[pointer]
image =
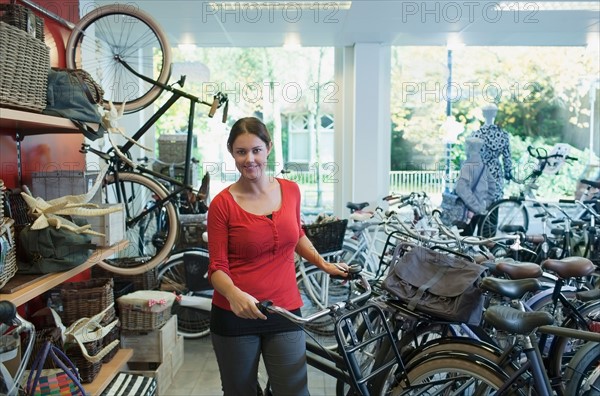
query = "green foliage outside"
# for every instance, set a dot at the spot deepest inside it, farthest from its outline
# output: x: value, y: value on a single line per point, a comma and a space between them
x: 542, y: 95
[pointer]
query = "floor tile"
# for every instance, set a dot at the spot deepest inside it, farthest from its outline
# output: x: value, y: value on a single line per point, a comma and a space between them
x: 199, y: 375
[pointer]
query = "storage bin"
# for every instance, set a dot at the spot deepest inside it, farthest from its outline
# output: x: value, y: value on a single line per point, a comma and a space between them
x: 145, y: 281
x: 24, y: 66
x: 145, y: 309
x: 86, y: 299
x: 151, y: 346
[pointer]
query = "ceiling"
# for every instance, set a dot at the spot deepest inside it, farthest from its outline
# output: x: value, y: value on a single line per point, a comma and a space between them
x: 269, y: 23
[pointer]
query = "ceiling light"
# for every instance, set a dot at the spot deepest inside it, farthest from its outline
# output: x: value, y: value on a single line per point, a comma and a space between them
x: 512, y: 5
x: 454, y: 42
x: 281, y: 4
x: 292, y: 41
x: 187, y: 47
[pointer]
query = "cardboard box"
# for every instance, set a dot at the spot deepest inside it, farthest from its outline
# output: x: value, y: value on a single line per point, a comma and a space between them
x: 112, y: 225
x: 154, y: 346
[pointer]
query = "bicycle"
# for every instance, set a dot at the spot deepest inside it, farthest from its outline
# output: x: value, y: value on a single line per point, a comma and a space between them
x: 151, y: 216
x: 514, y: 211
x: 350, y: 362
x: 12, y: 328
x: 458, y: 369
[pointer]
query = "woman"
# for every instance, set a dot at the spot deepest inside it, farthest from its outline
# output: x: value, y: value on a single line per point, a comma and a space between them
x: 254, y: 229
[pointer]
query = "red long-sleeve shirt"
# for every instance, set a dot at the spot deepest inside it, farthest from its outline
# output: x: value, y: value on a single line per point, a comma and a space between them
x: 257, y: 252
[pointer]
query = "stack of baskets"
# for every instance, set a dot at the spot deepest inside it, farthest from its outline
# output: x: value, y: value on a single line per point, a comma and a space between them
x: 84, y: 300
x: 25, y: 59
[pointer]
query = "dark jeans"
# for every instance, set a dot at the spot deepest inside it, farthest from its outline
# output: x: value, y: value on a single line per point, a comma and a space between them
x: 284, y: 356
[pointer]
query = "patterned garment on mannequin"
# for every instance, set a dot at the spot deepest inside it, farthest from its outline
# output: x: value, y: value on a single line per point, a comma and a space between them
x: 496, y: 144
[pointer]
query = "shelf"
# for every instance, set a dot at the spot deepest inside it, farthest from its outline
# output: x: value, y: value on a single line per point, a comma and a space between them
x: 28, y: 123
x: 108, y: 372
x: 42, y: 283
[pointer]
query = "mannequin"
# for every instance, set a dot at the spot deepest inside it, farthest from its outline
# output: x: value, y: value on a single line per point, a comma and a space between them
x: 472, y: 185
x: 496, y: 145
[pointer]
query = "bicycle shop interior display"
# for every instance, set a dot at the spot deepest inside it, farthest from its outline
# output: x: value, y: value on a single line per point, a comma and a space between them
x: 104, y: 269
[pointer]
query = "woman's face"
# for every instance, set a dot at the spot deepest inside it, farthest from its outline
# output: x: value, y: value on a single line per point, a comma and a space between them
x: 250, y: 154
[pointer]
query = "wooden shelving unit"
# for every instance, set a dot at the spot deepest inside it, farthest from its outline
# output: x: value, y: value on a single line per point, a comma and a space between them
x: 108, y: 372
x: 26, y: 123
x: 28, y: 287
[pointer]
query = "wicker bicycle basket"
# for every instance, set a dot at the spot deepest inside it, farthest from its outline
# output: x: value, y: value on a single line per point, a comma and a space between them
x: 24, y: 66
x: 86, y: 299
x: 145, y: 309
x: 8, y: 251
x: 327, y: 237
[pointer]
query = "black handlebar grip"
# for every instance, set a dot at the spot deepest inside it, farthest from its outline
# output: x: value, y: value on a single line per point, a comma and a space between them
x: 263, y: 306
x: 8, y: 311
x: 569, y: 201
x: 214, y: 106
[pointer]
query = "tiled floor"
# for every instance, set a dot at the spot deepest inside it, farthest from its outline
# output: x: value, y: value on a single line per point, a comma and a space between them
x: 199, y: 375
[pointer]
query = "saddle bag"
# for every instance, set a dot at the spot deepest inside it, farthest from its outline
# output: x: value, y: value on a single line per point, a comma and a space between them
x: 436, y: 282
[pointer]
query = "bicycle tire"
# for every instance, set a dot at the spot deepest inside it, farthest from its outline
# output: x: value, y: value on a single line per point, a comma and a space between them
x: 92, y: 46
x: 564, y: 349
x: 501, y: 213
x: 191, y: 322
x: 582, y: 377
x: 448, y: 370
x: 318, y: 290
x: 151, y: 231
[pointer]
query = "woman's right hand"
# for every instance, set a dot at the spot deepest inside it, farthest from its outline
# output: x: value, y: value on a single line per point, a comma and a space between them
x: 244, y: 305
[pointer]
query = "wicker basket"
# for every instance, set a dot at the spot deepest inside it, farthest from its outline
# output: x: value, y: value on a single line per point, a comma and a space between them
x: 327, y: 237
x: 145, y: 309
x: 88, y: 371
x: 86, y: 299
x: 24, y: 66
x: 23, y: 19
x: 8, y: 251
x: 114, y: 334
x: 145, y: 281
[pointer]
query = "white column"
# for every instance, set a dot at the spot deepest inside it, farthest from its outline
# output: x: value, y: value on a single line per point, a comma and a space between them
x: 362, y: 124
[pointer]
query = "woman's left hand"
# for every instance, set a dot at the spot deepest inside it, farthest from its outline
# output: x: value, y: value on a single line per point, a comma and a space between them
x: 337, y: 269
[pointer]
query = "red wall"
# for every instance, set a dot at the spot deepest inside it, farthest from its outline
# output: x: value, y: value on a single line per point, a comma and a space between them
x: 44, y: 152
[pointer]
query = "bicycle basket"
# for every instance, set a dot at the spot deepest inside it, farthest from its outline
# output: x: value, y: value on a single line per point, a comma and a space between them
x: 327, y: 237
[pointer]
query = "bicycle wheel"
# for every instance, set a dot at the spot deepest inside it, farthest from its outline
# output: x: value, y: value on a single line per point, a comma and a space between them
x: 582, y: 375
x: 502, y: 213
x: 151, y: 228
x: 191, y: 322
x: 318, y: 291
x: 564, y: 349
x: 353, y: 254
x: 447, y: 373
x: 111, y: 34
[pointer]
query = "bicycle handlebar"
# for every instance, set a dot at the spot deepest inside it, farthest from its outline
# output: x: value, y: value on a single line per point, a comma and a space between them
x: 268, y: 307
